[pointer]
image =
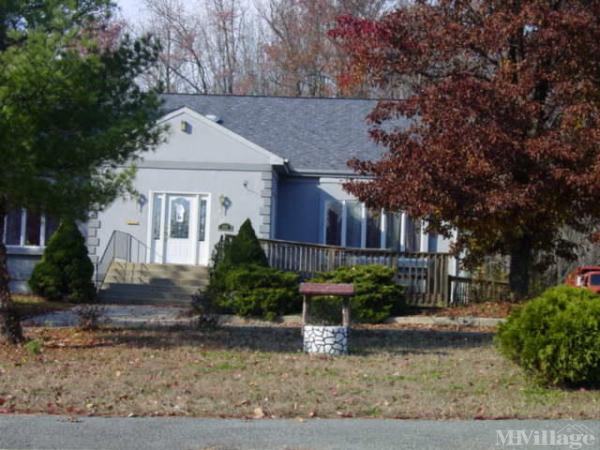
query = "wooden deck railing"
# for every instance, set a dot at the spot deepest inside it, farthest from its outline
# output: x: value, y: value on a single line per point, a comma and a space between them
x: 423, y: 275
x: 464, y: 290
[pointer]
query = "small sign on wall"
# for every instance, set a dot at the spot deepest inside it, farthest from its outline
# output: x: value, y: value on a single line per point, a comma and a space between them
x: 226, y: 227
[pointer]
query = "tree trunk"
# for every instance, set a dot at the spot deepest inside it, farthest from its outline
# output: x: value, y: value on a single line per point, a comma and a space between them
x: 10, y: 324
x: 520, y: 263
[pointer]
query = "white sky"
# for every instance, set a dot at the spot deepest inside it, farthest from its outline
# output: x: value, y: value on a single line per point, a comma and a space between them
x: 133, y: 10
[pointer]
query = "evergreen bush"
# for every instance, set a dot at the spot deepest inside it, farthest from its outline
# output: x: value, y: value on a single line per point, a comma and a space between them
x: 254, y: 290
x: 242, y: 250
x: 376, y: 295
x: 65, y: 270
x: 556, y: 337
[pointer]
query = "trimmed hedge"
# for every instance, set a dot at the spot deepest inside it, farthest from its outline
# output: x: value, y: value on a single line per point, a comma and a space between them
x: 260, y: 291
x: 242, y: 250
x: 65, y: 270
x: 242, y: 282
x: 556, y: 337
x: 377, y: 295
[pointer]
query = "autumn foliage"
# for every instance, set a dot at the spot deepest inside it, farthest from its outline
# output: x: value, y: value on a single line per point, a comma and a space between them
x: 503, y: 137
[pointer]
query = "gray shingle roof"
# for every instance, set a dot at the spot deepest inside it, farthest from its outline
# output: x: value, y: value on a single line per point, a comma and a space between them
x: 319, y: 134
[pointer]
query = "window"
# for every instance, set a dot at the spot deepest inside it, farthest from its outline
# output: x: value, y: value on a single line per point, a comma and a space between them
x: 51, y: 225
x: 180, y: 218
x: 373, y: 224
x: 350, y: 224
x: 393, y: 231
x: 202, y: 221
x: 413, y: 235
x: 410, y: 243
x: 12, y: 228
x: 353, y: 224
x: 28, y: 229
x: 156, y: 216
x: 33, y: 229
x: 333, y: 218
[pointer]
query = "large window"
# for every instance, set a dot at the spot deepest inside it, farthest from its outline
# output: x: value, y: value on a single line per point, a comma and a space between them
x: 354, y: 211
x: 333, y: 223
x: 27, y: 229
x: 393, y: 231
x: 350, y: 223
x: 413, y: 235
x: 374, y: 227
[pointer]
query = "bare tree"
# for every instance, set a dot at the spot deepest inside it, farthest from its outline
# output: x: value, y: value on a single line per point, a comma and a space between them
x: 270, y: 47
x: 203, y: 45
x: 303, y: 58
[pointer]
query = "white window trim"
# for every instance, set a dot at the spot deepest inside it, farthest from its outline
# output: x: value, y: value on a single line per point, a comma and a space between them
x: 23, y: 235
x: 363, y: 226
x: 384, y: 225
x: 23, y: 228
x: 403, y: 232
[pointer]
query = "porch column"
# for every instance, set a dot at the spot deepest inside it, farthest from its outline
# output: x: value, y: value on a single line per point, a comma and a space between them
x: 423, y: 238
x: 267, y: 199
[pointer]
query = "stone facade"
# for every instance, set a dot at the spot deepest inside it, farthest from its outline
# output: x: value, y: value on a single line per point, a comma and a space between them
x: 326, y: 339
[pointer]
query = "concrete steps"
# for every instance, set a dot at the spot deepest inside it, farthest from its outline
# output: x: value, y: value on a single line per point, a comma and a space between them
x: 152, y: 284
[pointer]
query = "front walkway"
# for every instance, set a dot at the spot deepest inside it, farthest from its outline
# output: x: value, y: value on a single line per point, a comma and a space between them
x: 117, y: 315
x: 149, y: 315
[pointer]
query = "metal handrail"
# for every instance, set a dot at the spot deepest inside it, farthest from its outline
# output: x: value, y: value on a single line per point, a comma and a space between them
x: 121, y: 246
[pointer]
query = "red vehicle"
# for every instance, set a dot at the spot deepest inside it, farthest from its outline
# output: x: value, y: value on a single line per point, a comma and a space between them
x: 586, y: 277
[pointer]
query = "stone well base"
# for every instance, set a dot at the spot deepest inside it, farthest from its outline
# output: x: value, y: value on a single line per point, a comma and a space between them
x: 325, y: 339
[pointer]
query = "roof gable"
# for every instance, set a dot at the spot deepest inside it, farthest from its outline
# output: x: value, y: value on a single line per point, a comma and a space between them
x: 313, y: 134
x: 196, y: 138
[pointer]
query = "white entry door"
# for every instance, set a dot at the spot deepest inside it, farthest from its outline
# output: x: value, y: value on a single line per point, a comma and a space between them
x: 183, y: 220
x: 181, y: 229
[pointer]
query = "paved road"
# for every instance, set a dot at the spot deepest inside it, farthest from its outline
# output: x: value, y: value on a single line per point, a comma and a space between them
x: 53, y: 432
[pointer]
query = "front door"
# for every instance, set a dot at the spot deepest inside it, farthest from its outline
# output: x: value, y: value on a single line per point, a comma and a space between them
x: 181, y: 236
x: 182, y: 218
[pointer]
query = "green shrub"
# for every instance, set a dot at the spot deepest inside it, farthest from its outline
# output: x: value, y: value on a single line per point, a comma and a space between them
x: 65, y: 270
x: 255, y: 290
x: 33, y: 347
x: 242, y: 250
x: 556, y: 337
x: 377, y: 295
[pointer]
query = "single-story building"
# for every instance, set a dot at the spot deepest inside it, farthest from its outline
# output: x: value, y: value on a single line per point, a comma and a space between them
x: 279, y: 161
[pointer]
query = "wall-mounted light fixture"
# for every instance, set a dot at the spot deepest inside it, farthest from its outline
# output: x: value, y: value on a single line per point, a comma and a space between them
x: 141, y: 201
x: 225, y: 203
x: 186, y: 127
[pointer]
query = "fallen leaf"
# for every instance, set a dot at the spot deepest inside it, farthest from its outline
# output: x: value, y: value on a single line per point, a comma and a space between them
x: 259, y: 413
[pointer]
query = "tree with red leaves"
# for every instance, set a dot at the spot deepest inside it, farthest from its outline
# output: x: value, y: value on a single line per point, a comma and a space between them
x: 503, y: 141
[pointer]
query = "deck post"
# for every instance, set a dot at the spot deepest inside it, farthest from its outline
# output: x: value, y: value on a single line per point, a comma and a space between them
x: 346, y: 312
x: 305, y: 309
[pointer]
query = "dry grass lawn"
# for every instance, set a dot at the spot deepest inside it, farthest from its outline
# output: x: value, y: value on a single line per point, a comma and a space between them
x: 260, y: 372
x: 483, y: 309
